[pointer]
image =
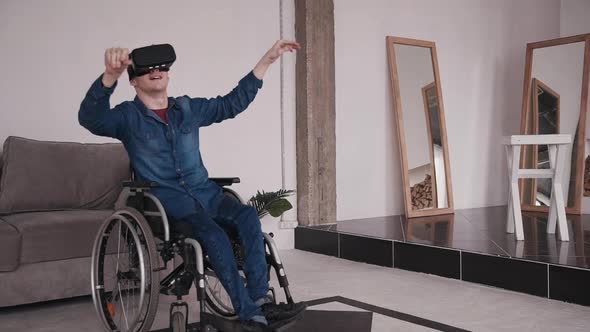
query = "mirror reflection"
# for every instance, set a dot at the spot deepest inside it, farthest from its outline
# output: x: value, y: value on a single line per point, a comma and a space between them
x: 435, y: 230
x: 546, y: 121
x: 554, y: 108
x: 421, y: 121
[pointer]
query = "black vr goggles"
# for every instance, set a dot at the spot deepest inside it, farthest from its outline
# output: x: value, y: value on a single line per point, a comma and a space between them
x: 145, y: 59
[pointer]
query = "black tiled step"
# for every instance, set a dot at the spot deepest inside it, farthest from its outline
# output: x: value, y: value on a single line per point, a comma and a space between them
x: 512, y: 274
x: 569, y: 285
x: 431, y: 260
x: 318, y: 241
x: 366, y: 250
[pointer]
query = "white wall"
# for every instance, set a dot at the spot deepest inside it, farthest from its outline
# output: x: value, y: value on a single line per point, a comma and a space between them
x: 480, y: 44
x: 574, y: 17
x: 481, y: 48
x: 53, y: 50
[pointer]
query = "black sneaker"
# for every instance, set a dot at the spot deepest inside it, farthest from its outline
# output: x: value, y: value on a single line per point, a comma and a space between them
x: 282, y: 312
x: 252, y: 326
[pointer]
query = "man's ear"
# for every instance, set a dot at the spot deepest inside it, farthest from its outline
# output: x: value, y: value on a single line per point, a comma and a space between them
x: 133, y: 83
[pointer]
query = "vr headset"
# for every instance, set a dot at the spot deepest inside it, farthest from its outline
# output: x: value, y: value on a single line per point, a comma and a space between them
x: 145, y: 59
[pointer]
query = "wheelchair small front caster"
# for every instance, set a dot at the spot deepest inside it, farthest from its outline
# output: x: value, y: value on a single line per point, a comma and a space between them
x: 178, y: 322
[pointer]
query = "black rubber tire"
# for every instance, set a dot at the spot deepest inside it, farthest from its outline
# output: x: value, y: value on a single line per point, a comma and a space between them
x: 151, y: 264
x: 178, y: 322
x: 213, y: 305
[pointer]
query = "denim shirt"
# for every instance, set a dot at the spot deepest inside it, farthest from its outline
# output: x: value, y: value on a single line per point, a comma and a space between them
x: 167, y: 153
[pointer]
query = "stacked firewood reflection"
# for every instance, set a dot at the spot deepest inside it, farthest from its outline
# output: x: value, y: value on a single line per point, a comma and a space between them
x: 422, y: 194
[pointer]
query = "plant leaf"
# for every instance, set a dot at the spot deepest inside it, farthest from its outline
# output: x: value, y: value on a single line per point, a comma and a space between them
x: 276, y: 208
x: 263, y: 202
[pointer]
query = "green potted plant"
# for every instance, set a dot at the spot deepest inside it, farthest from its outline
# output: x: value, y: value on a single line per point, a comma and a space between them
x: 265, y: 203
x: 274, y: 203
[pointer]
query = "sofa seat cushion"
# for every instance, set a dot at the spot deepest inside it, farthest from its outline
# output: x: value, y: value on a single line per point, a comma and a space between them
x: 10, y: 244
x: 57, y: 235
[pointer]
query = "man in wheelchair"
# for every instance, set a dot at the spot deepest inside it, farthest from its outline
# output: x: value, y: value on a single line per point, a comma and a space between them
x: 161, y: 136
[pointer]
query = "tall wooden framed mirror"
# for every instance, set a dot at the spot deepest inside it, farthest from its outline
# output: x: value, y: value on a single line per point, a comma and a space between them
x: 420, y: 123
x: 555, y: 101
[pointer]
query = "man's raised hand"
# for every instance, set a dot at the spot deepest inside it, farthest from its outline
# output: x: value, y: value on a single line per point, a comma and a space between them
x: 280, y: 47
x: 116, y: 60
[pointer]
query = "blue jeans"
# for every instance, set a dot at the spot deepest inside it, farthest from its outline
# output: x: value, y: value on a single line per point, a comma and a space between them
x: 215, y: 241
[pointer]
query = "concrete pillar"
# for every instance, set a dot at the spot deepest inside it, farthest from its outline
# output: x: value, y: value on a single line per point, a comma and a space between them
x: 316, y: 112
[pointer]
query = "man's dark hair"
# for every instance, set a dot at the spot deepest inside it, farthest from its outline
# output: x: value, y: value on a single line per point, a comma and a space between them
x: 131, y: 72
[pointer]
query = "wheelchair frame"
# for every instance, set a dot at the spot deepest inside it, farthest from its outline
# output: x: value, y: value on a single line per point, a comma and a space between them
x: 178, y: 282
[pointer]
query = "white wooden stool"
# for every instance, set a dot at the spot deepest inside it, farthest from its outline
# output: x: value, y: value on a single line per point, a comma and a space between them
x: 556, y: 145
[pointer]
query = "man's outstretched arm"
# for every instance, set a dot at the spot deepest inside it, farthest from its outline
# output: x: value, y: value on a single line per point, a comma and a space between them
x: 95, y: 112
x: 272, y: 55
x: 226, y: 107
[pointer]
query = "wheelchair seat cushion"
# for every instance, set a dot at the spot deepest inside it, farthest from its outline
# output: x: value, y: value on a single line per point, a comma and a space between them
x: 178, y: 229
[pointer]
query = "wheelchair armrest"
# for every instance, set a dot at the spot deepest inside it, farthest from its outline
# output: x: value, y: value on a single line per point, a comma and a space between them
x: 223, y: 182
x: 140, y: 184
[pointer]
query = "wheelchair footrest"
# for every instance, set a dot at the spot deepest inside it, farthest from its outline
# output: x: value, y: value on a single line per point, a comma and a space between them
x: 180, y: 285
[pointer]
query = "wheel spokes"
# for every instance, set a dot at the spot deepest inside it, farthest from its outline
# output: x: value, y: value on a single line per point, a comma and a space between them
x: 122, y: 276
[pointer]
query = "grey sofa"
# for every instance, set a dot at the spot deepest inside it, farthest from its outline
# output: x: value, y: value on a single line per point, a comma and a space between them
x: 53, y: 197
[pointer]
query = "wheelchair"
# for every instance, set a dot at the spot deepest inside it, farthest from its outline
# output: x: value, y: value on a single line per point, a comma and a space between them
x: 135, y: 244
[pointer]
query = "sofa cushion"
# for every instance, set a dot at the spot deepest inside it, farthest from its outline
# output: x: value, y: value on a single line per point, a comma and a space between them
x: 42, y: 176
x: 56, y: 235
x: 10, y: 244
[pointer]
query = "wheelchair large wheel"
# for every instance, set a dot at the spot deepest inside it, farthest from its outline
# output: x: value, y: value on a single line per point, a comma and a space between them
x: 217, y: 298
x: 125, y: 280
